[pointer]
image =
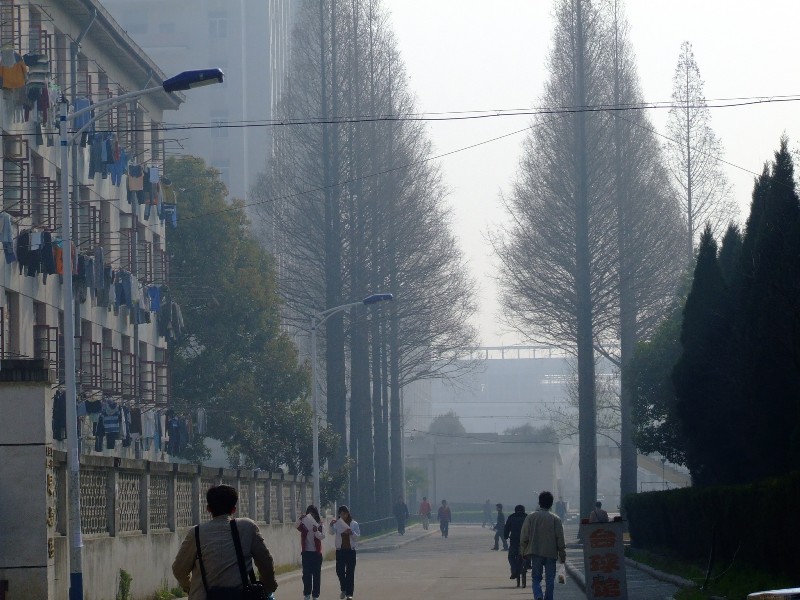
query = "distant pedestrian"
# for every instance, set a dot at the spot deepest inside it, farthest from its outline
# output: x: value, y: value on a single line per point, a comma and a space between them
x: 487, y: 513
x: 511, y: 532
x: 425, y: 512
x: 542, y: 539
x: 400, y: 511
x: 561, y: 509
x: 207, y: 558
x: 598, y: 515
x: 347, y: 532
x: 312, y: 532
x: 499, y: 527
x: 445, y: 516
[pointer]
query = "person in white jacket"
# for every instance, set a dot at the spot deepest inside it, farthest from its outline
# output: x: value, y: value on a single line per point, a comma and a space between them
x: 347, y: 533
x: 312, y: 532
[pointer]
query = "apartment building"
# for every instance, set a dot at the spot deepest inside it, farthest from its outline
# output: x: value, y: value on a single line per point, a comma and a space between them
x: 249, y: 41
x: 121, y: 353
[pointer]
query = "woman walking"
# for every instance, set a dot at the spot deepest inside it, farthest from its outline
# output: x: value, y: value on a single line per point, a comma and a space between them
x: 311, y: 535
x: 347, y: 533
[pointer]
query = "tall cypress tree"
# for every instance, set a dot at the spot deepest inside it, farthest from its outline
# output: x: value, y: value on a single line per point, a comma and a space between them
x: 700, y: 374
x: 769, y: 322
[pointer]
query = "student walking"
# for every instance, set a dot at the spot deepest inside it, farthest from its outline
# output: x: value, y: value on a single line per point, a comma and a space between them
x: 598, y: 515
x: 347, y: 532
x: 511, y: 532
x: 401, y: 514
x: 425, y: 512
x: 445, y: 516
x: 312, y: 532
x: 542, y: 539
x: 499, y: 528
x: 208, y: 559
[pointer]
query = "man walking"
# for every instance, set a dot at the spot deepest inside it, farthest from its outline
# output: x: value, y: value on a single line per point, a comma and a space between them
x: 401, y: 514
x: 512, y: 532
x: 499, y: 528
x: 207, y: 558
x: 425, y: 512
x: 598, y: 515
x: 542, y: 539
x: 444, y: 517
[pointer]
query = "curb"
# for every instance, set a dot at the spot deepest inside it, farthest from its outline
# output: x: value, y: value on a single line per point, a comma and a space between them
x: 675, y: 580
x: 667, y: 577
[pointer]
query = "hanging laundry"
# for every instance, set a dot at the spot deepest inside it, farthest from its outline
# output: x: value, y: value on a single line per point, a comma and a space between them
x: 83, y: 120
x: 111, y: 416
x: 60, y: 415
x: 99, y: 268
x: 154, y: 292
x: 7, y: 237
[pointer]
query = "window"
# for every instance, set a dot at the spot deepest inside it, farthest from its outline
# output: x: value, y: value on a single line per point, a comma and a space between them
x: 61, y: 59
x: 11, y: 25
x: 224, y: 168
x: 137, y: 28
x: 112, y: 365
x: 45, y: 196
x: 11, y: 335
x: 16, y: 176
x: 218, y: 24
x: 220, y: 119
x: 161, y: 378
x: 90, y: 217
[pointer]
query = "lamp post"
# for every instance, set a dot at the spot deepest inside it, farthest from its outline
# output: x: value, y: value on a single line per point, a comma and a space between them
x: 318, y: 319
x: 184, y: 81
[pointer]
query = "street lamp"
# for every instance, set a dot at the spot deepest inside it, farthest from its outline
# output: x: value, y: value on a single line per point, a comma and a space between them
x: 318, y: 319
x: 184, y: 81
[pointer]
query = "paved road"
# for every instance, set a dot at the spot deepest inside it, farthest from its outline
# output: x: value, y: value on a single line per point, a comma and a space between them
x: 458, y: 568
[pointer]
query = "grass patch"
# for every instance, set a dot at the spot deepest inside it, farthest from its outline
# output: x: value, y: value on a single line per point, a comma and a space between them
x: 283, y: 569
x: 732, y: 582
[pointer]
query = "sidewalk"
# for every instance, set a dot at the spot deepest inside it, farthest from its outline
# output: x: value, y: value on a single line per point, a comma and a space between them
x: 644, y: 583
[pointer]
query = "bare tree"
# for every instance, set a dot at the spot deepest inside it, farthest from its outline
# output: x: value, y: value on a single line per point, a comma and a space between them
x: 357, y: 207
x: 693, y: 152
x: 649, y: 230
x: 558, y: 254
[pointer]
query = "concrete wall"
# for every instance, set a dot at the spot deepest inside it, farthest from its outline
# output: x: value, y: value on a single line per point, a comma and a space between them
x: 27, y: 491
x: 134, y: 513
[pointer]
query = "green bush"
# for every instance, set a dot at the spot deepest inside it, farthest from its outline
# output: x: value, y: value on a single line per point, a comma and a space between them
x: 124, y: 588
x: 752, y: 524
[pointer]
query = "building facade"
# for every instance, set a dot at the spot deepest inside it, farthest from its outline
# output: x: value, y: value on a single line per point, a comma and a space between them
x: 248, y: 40
x: 121, y: 267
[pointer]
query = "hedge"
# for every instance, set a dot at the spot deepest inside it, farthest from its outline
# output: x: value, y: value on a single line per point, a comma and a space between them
x: 757, y: 524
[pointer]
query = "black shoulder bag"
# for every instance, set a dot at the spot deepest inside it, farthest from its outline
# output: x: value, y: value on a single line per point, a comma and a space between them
x: 250, y: 590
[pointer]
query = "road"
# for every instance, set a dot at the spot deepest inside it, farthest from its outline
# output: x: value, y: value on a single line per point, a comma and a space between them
x: 458, y: 568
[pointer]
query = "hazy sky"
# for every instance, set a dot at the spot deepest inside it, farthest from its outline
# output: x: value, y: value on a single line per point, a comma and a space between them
x: 479, y: 55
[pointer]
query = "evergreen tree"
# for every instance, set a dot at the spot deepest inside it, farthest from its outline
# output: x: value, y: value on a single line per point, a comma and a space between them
x: 701, y: 371
x: 769, y: 322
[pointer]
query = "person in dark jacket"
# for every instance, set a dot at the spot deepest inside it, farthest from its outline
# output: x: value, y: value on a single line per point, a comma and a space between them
x: 511, y: 533
x: 499, y: 526
x: 401, y: 514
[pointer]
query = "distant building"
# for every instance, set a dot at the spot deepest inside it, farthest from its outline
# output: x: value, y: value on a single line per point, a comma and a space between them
x: 249, y: 41
x: 469, y: 469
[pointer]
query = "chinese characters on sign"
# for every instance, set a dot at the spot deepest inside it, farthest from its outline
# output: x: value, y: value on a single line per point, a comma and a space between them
x: 604, y: 561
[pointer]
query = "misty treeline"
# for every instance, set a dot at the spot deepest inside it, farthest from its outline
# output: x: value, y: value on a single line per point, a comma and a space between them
x: 602, y: 211
x: 352, y: 205
x: 718, y: 387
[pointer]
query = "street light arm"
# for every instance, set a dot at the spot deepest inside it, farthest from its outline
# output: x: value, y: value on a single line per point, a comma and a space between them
x: 114, y: 101
x: 320, y: 318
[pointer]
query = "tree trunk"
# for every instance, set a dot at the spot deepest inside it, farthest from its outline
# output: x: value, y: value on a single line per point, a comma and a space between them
x: 627, y: 298
x: 587, y: 418
x: 334, y: 346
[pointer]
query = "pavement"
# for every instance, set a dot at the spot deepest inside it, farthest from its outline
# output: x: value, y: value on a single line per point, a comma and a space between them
x: 644, y: 583
x: 423, y: 564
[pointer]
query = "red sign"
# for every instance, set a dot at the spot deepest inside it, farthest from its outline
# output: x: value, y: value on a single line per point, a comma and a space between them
x: 604, y: 561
